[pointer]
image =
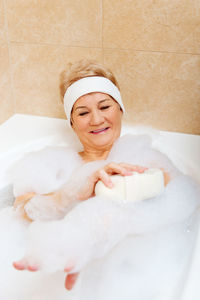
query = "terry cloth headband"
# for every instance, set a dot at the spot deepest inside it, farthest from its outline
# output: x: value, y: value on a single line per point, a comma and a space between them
x: 90, y: 85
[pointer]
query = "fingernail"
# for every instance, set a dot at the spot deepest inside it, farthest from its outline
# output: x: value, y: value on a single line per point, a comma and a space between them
x: 32, y: 268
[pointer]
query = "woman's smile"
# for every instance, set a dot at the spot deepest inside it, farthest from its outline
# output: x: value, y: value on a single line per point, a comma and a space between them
x: 100, y: 131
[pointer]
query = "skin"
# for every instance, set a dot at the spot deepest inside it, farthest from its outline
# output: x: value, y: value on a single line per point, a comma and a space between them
x: 93, y: 112
x: 96, y: 119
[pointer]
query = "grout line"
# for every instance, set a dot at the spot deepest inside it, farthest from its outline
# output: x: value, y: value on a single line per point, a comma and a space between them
x: 151, y: 51
x: 13, y: 101
x: 54, y: 44
x: 102, y: 24
x: 105, y: 48
x: 102, y: 20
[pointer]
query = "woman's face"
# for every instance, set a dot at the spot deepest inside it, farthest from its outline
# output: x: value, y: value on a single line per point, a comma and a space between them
x: 96, y: 119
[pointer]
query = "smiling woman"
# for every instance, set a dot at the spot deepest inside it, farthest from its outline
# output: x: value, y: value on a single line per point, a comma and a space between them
x: 114, y: 238
x: 93, y: 105
x: 96, y: 119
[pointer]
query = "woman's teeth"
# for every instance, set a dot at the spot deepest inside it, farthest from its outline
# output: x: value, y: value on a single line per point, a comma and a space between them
x: 99, y: 130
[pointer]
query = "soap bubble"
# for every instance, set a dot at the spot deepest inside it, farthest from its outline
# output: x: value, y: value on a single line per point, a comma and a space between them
x: 134, y: 250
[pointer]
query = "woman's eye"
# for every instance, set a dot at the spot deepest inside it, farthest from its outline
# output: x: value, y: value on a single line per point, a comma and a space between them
x: 105, y: 107
x: 83, y: 113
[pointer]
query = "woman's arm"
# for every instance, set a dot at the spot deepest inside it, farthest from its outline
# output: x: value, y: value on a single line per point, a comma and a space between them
x: 95, y: 226
x: 101, y: 219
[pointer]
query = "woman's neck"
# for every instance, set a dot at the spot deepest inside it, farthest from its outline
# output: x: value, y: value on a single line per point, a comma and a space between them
x: 91, y: 155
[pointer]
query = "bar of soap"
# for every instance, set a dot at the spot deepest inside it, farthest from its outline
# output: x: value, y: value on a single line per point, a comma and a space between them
x: 137, y: 187
x: 117, y: 192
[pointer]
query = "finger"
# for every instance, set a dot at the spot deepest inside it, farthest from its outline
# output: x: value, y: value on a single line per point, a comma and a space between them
x: 70, y: 280
x: 117, y: 169
x: 32, y: 268
x: 105, y: 178
x: 23, y: 198
x: 26, y: 217
x: 110, y: 169
x: 134, y: 168
x: 166, y: 178
x: 20, y: 265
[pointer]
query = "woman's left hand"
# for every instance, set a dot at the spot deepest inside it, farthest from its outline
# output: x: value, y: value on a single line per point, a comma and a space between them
x: 104, y: 173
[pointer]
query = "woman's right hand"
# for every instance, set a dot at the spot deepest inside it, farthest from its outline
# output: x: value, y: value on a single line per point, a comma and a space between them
x: 104, y: 173
x: 21, y: 201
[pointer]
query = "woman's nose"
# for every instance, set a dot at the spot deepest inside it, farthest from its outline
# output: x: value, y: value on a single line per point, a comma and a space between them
x: 96, y: 118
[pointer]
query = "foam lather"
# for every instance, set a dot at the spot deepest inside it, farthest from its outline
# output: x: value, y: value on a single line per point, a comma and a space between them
x: 137, y: 187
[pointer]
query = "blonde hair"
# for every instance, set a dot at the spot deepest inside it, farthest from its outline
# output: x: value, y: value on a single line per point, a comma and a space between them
x: 81, y: 69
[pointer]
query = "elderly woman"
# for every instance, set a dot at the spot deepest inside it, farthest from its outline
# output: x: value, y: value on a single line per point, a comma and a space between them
x: 88, y: 231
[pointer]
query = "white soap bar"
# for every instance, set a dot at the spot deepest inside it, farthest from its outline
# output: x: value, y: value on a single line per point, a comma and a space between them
x: 141, y: 186
x: 137, y: 187
x: 117, y: 192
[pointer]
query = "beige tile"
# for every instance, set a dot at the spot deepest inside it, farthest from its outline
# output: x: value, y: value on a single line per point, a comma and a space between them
x: 6, y: 105
x: 159, y: 89
x: 158, y: 25
x: 2, y: 23
x: 67, y: 22
x: 36, y: 70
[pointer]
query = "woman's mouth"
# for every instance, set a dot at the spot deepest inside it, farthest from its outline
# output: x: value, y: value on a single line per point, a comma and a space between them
x: 98, y: 131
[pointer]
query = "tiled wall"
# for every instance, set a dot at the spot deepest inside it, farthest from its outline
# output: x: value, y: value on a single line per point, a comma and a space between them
x: 153, y: 47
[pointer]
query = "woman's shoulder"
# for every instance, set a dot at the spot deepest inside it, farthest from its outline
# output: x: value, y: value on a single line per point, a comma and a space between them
x: 44, y: 170
x: 50, y: 154
x: 137, y: 149
x: 130, y: 144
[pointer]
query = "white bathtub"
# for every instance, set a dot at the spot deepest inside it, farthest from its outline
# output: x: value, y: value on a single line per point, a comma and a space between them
x: 23, y: 133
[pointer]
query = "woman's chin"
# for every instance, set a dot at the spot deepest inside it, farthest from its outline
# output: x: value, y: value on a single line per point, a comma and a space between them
x: 103, y: 141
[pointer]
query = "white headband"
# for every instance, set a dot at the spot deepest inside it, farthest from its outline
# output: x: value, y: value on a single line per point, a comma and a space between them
x: 90, y: 85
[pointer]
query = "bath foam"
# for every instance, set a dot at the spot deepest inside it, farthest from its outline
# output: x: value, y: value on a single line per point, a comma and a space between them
x: 43, y: 171
x: 94, y: 227
x: 137, y: 187
x: 133, y: 250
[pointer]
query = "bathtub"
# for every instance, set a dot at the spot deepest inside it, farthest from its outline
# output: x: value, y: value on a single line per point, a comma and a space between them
x: 24, y: 133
